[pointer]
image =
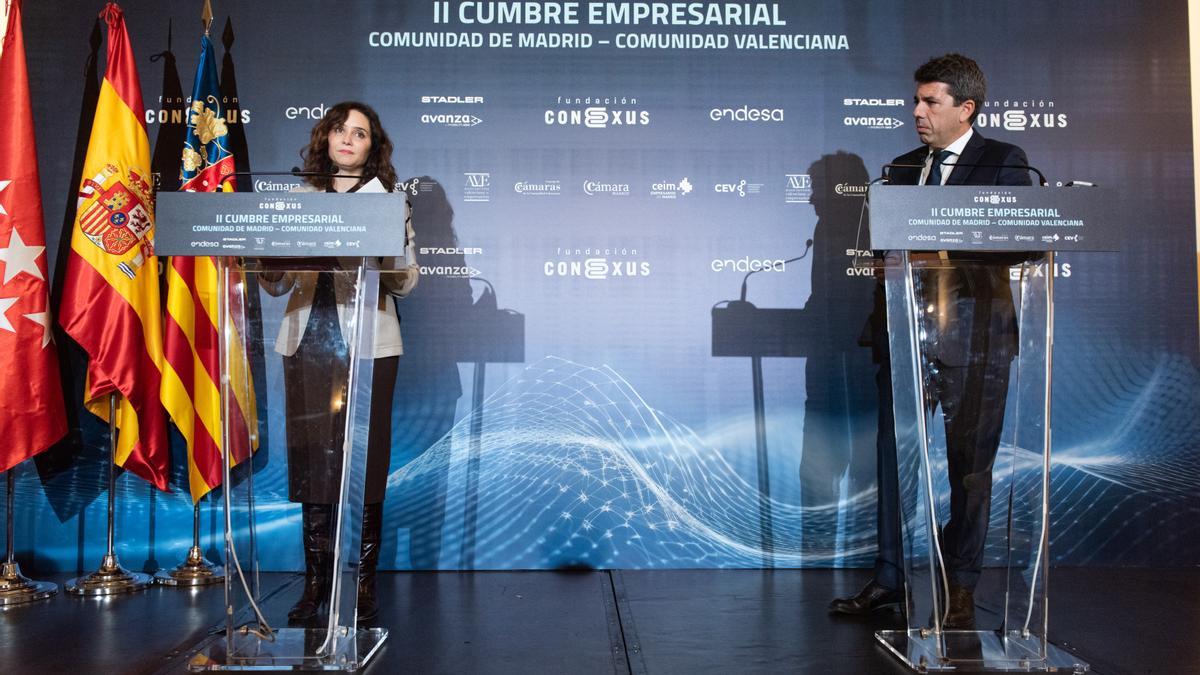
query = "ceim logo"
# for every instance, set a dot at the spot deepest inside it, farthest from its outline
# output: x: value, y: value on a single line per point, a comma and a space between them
x: 666, y: 190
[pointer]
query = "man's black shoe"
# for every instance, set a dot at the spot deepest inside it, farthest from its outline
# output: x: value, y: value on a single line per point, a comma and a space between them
x: 873, y: 598
x: 961, y: 614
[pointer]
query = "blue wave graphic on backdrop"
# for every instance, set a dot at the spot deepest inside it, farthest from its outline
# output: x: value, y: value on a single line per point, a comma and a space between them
x: 576, y: 469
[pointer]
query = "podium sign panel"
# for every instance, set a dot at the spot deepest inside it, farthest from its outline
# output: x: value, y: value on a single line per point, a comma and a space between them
x: 279, y: 224
x: 994, y: 218
x: 297, y: 343
x: 970, y: 335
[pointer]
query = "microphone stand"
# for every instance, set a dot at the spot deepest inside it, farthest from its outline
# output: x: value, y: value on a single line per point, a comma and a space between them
x: 766, y: 526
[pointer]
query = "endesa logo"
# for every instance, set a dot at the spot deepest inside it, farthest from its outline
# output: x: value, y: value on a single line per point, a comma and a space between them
x: 746, y: 114
x: 748, y: 264
x: 305, y: 112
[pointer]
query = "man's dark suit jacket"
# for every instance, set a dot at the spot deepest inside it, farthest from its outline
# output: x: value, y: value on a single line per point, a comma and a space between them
x: 985, y: 325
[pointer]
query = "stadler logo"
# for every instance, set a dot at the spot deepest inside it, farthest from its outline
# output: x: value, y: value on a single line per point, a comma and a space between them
x: 1013, y: 115
x: 741, y: 188
x: 598, y: 112
x: 596, y: 264
x: 432, y: 267
x: 746, y: 114
x: 452, y: 100
x: 873, y: 122
x: 665, y: 190
x: 544, y: 188
x: 748, y: 264
x: 593, y: 188
x: 477, y: 187
x: 873, y: 102
x: 798, y: 189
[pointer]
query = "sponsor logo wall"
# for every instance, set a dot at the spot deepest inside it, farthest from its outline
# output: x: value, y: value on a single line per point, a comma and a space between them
x: 607, y: 175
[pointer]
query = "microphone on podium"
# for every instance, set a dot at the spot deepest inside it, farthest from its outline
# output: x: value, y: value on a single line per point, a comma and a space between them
x: 807, y: 247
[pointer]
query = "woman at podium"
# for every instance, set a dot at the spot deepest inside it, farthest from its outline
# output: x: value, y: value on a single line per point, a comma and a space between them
x: 348, y: 151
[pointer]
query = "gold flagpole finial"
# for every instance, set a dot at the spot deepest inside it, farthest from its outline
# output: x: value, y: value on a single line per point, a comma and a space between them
x: 206, y: 15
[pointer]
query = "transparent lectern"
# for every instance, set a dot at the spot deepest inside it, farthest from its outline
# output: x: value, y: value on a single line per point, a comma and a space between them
x: 969, y: 279
x: 302, y: 257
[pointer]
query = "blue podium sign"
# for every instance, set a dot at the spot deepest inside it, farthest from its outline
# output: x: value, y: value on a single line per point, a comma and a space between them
x: 993, y: 218
x: 279, y: 225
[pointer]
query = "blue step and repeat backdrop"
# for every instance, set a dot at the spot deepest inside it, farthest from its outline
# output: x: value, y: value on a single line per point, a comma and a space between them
x: 592, y: 183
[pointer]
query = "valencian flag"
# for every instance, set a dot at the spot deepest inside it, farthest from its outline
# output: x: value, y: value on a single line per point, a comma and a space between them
x: 110, y: 303
x: 32, y: 416
x: 191, y: 379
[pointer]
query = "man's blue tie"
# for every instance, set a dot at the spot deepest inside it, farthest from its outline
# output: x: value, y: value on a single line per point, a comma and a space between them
x: 935, y: 171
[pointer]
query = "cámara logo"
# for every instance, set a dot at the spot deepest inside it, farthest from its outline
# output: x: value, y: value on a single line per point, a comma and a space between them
x: 594, y: 188
x: 543, y: 188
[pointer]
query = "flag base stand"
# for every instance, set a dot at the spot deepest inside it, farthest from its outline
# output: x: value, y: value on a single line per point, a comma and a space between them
x: 110, y: 579
x: 16, y: 589
x: 193, y: 571
x: 288, y: 649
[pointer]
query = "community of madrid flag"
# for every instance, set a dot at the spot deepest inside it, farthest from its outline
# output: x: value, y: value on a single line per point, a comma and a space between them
x: 111, y: 303
x: 190, y: 382
x: 31, y: 401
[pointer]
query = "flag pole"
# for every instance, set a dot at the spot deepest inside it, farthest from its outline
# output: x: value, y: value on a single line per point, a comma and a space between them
x: 15, y: 588
x: 111, y: 578
x: 195, y: 570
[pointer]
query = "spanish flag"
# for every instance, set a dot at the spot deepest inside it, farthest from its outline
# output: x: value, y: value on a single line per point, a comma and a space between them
x: 190, y: 385
x: 110, y: 303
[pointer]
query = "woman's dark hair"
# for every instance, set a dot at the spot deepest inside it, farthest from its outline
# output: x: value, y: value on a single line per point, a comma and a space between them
x: 379, y: 159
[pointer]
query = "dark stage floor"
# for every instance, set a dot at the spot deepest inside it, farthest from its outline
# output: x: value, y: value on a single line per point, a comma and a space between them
x: 676, y: 621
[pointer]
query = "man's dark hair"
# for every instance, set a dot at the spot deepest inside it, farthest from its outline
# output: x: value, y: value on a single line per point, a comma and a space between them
x: 961, y: 74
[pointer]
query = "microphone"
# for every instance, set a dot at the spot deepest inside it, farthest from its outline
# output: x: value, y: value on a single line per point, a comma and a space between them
x: 1041, y: 176
x: 807, y: 247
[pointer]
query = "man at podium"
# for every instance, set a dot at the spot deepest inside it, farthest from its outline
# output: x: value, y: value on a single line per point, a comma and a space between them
x: 970, y: 339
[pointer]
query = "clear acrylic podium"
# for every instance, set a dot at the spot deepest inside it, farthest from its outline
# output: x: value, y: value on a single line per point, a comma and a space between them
x: 942, y: 307
x: 266, y: 314
x: 257, y: 635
